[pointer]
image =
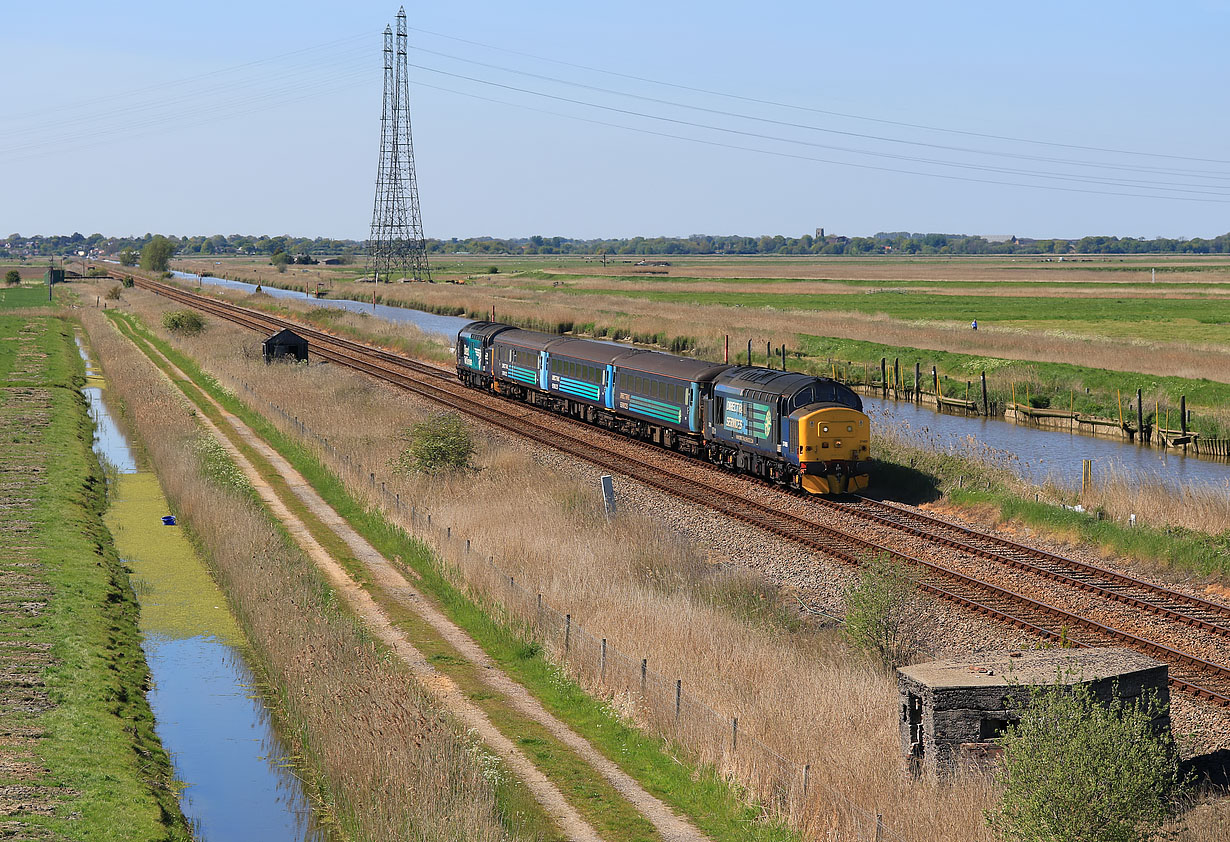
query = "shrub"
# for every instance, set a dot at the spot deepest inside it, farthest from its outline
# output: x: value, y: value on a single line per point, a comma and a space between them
x: 126, y: 281
x: 439, y: 445
x: 187, y: 322
x: 12, y: 276
x: 493, y: 270
x: 1077, y: 768
x: 113, y: 294
x: 885, y: 614
x: 1039, y: 401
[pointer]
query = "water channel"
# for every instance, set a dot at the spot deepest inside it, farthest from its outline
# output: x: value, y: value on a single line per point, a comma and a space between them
x: 238, y: 783
x: 1037, y: 455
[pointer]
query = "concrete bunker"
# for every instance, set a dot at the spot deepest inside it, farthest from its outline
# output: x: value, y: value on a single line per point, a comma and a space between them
x: 952, y: 711
x: 285, y: 344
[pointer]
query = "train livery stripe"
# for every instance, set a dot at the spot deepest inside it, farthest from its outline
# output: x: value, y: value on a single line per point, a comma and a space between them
x: 525, y: 375
x: 579, y: 388
x: 654, y: 409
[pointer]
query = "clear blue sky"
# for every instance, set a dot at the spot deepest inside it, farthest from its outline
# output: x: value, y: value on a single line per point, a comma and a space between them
x: 258, y: 117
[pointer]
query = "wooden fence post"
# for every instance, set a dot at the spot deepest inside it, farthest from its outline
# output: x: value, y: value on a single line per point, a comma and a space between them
x: 567, y: 631
x: 1140, y: 418
x: 896, y: 377
x: 602, y: 664
x: 884, y: 376
x: 644, y: 670
x: 917, y: 381
x: 734, y: 734
x: 678, y: 697
x: 985, y: 406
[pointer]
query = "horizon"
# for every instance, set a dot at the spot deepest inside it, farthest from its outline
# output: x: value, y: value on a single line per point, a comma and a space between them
x: 655, y: 119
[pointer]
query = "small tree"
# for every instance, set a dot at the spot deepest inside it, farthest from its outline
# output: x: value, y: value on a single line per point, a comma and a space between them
x: 156, y: 255
x: 12, y: 276
x: 128, y: 256
x: 886, y: 615
x: 439, y: 445
x: 1083, y: 770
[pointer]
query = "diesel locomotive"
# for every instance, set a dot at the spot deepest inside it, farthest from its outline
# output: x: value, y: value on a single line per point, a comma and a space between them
x: 790, y: 428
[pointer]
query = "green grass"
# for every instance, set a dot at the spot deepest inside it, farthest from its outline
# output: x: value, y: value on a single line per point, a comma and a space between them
x: 1182, y: 550
x: 19, y: 297
x: 718, y: 808
x: 99, y: 741
x: 1064, y: 383
x: 948, y: 308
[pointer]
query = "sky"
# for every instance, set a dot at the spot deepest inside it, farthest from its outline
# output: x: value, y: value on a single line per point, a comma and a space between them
x: 612, y: 120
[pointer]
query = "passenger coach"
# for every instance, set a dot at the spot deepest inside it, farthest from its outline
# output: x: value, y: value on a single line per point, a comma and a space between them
x: 785, y: 427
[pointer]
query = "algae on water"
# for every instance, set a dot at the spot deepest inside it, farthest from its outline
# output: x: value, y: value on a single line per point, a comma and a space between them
x: 178, y: 597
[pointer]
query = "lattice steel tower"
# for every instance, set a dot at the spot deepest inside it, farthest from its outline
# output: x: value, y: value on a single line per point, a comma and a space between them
x: 396, y: 249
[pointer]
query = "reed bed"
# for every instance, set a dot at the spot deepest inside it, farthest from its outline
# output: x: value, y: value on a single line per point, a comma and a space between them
x: 634, y: 581
x: 386, y: 762
x: 650, y: 592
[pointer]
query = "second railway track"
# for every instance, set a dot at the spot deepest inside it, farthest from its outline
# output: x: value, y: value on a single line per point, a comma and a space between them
x: 718, y: 491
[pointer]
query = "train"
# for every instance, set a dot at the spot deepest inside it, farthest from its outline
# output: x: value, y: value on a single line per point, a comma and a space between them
x: 793, y: 429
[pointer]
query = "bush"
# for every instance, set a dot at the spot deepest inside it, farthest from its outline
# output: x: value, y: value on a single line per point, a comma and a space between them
x: 1039, y: 401
x: 113, y: 294
x: 126, y: 281
x: 1076, y: 768
x: 493, y: 270
x: 187, y: 322
x: 886, y: 615
x: 12, y: 276
x: 439, y: 445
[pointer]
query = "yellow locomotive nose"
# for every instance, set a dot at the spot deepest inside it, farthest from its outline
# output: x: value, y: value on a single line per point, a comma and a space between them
x: 834, y: 445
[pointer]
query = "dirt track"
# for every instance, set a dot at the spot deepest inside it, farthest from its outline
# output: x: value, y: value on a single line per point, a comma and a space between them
x: 393, y: 583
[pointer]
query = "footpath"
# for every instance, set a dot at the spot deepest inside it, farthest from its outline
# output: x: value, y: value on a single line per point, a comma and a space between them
x: 408, y: 622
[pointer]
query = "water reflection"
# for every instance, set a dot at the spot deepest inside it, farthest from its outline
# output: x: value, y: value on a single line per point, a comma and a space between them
x: 235, y: 770
x: 1044, y: 455
x: 1037, y: 455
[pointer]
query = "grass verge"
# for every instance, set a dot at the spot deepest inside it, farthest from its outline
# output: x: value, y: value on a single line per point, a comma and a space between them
x: 716, y: 806
x: 95, y: 769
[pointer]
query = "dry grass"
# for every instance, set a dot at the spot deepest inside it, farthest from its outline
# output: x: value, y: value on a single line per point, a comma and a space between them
x: 634, y: 582
x: 649, y: 592
x: 706, y: 325
x: 360, y: 722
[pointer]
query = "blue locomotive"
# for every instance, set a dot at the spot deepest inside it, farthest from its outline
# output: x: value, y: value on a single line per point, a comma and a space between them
x: 790, y: 428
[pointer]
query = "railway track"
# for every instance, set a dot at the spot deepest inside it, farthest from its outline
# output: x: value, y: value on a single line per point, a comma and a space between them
x: 660, y: 469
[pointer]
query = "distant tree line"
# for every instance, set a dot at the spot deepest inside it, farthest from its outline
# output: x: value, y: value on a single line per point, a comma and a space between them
x: 899, y: 242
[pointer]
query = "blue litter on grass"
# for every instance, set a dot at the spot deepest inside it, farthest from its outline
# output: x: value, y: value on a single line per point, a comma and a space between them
x: 168, y: 520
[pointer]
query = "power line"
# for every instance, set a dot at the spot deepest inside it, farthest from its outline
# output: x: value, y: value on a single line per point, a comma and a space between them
x: 762, y: 136
x: 813, y: 110
x: 809, y: 127
x: 796, y: 157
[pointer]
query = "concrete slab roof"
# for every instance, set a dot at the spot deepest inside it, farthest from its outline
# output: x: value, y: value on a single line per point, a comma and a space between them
x: 1029, y: 666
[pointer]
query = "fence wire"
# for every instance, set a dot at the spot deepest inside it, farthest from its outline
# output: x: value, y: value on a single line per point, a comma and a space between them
x: 661, y: 705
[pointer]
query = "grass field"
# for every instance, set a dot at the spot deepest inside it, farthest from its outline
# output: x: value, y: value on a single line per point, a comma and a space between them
x: 79, y: 758
x: 17, y: 297
x: 1080, y: 333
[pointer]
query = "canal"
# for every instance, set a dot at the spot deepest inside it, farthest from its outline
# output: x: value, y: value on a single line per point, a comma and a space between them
x: 1037, y: 455
x: 235, y: 770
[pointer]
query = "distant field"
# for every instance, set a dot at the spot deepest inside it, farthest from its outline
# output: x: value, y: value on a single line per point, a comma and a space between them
x: 12, y: 298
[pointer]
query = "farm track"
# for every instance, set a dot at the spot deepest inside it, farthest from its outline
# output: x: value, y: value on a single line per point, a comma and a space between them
x: 1184, y: 631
